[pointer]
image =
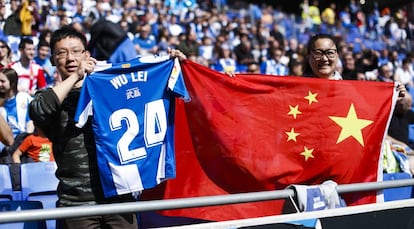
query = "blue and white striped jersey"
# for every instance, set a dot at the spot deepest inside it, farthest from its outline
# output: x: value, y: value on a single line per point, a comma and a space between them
x: 132, y: 109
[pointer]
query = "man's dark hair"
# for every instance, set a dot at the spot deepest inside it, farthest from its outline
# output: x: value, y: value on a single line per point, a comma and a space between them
x: 24, y: 41
x: 42, y: 43
x: 64, y: 32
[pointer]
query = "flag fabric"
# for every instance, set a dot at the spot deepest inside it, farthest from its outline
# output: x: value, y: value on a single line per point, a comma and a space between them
x: 256, y: 133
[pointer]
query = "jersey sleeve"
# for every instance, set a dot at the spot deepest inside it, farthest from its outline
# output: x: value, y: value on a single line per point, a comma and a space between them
x: 84, y: 108
x: 176, y: 81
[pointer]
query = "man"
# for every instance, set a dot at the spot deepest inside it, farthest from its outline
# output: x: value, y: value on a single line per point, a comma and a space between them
x: 110, y: 43
x: 74, y: 149
x: 144, y: 41
x: 31, y: 75
x: 43, y: 59
x: 274, y: 65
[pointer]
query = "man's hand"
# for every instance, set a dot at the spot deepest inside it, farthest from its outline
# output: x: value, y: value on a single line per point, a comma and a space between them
x: 86, y: 67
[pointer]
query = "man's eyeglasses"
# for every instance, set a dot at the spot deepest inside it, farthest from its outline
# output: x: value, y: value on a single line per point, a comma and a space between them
x: 61, y: 54
x: 317, y: 54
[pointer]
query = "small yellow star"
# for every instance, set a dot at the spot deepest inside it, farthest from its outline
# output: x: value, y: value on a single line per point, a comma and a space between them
x: 307, y: 153
x: 294, y: 111
x: 292, y: 135
x: 351, y: 125
x: 311, y: 97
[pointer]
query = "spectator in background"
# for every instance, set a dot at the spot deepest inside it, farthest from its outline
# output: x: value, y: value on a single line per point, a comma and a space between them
x: 225, y: 61
x: 53, y: 19
x: 368, y: 65
x: 393, y: 60
x: 244, y: 52
x: 2, y: 15
x: 292, y: 49
x: 295, y: 67
x: 110, y: 42
x: 5, y: 54
x: 13, y: 25
x: 189, y: 45
x: 385, y: 73
x: 305, y: 17
x: 315, y: 16
x: 45, y: 35
x: 274, y: 65
x: 404, y: 74
x: 14, y: 109
x: 165, y: 41
x: 78, y: 15
x: 206, y: 49
x: 383, y: 57
x: 345, y: 18
x: 14, y: 104
x: 43, y: 59
x: 253, y: 68
x: 174, y: 28
x: 57, y: 78
x: 277, y: 35
x: 35, y: 147
x: 27, y: 17
x: 328, y: 18
x: 144, y: 42
x: 349, y: 71
x: 31, y: 75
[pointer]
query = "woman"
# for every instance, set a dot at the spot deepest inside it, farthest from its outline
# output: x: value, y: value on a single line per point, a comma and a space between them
x: 5, y: 54
x: 13, y: 108
x: 14, y: 104
x: 322, y: 58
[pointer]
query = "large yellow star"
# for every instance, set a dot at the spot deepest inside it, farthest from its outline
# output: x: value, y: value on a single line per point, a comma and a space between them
x: 351, y: 126
x: 294, y: 111
x: 292, y: 135
x: 307, y: 153
x: 311, y: 97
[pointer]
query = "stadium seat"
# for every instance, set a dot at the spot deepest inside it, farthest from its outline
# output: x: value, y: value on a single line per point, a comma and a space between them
x: 400, y: 193
x: 18, y: 206
x: 6, y: 190
x: 39, y: 183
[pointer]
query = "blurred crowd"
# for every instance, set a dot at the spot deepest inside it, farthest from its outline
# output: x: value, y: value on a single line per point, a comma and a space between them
x: 375, y: 44
x: 242, y: 37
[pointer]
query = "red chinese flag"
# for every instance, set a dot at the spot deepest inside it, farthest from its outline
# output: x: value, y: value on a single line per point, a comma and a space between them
x: 256, y: 133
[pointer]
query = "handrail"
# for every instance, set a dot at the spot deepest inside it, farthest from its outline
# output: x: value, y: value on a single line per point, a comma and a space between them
x: 154, y: 205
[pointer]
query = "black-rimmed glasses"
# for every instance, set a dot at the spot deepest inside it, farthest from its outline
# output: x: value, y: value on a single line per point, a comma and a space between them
x: 63, y: 53
x: 317, y: 54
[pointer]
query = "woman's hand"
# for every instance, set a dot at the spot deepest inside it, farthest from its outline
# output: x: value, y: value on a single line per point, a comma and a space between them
x: 401, y: 90
x: 176, y: 53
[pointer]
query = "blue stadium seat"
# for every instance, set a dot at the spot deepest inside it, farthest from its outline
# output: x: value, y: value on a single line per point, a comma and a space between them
x: 39, y: 182
x: 6, y: 190
x: 400, y: 193
x: 18, y: 206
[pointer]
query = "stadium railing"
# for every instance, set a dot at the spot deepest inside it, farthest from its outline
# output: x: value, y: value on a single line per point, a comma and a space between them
x: 141, y: 206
